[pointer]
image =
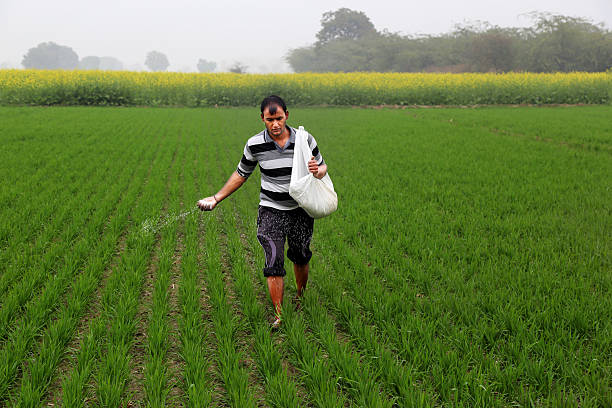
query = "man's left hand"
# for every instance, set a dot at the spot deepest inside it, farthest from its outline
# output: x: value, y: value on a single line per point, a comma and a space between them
x: 313, y: 167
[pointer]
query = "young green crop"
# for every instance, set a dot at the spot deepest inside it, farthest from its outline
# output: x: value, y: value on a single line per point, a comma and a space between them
x: 467, y: 264
x: 442, y: 254
x: 39, y: 311
x: 36, y: 379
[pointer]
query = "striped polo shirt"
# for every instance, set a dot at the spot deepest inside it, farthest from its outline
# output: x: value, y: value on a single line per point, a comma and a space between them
x: 275, y: 164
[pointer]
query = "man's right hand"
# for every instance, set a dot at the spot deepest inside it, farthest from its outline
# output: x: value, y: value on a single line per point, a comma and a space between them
x: 208, y: 203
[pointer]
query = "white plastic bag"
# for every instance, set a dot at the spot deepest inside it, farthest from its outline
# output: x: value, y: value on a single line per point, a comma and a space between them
x: 316, y: 196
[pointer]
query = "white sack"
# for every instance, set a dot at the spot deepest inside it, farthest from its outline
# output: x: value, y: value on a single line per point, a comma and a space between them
x: 316, y: 196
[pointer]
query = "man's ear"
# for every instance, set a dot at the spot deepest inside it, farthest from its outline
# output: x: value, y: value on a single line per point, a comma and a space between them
x: 287, y: 115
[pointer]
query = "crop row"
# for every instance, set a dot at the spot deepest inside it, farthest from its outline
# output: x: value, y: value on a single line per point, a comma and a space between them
x: 36, y: 87
x: 158, y: 377
x: 195, y: 324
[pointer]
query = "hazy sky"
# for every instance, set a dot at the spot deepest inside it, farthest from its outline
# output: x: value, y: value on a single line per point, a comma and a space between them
x: 258, y: 34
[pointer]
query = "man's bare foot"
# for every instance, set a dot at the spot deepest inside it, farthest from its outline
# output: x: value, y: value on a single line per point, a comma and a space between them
x: 276, y: 324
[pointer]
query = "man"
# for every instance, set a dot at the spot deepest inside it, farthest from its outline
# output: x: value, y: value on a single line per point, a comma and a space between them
x: 279, y: 216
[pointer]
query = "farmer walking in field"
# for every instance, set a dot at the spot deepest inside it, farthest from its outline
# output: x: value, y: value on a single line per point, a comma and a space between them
x: 279, y: 216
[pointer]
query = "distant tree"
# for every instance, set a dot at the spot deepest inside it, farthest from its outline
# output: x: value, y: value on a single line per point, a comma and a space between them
x: 303, y: 59
x: 110, y: 64
x: 347, y: 41
x: 50, y: 55
x: 89, y: 62
x: 344, y: 24
x: 345, y: 56
x: 562, y: 43
x: 156, y: 61
x: 206, y: 66
x: 492, y: 51
x: 238, y: 68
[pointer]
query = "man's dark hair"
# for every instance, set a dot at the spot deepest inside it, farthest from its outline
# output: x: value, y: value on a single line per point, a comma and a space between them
x: 272, y: 102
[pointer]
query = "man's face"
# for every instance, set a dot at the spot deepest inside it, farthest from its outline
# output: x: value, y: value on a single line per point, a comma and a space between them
x: 275, y: 122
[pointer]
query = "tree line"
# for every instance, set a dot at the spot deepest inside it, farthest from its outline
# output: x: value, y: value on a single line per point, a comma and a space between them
x: 349, y: 42
x: 49, y: 55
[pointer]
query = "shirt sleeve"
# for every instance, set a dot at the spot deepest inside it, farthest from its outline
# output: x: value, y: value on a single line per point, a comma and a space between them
x: 247, y: 164
x: 312, y: 143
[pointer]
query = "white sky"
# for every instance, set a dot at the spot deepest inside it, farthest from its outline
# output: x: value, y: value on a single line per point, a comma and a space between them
x: 258, y: 34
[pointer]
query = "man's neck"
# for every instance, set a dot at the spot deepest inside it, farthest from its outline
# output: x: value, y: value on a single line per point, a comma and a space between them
x: 283, y: 138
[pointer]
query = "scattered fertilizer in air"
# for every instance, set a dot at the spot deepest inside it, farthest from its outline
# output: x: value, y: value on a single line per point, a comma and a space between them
x: 153, y: 225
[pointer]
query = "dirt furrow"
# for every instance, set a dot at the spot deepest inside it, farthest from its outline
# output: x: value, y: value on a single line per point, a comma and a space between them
x: 174, y: 361
x: 135, y: 388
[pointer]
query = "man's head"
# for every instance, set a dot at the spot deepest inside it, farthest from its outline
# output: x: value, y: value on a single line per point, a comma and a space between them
x: 274, y: 114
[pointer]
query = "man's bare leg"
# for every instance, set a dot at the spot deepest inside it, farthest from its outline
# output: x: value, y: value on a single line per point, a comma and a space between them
x: 301, y: 278
x: 276, y: 286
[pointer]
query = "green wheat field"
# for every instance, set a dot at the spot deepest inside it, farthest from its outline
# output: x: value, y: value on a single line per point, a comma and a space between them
x: 469, y: 263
